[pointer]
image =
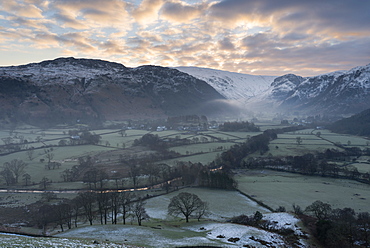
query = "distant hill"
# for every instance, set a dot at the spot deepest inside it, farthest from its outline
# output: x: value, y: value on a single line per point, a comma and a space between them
x: 231, y: 85
x: 358, y: 124
x: 335, y: 93
x: 68, y: 89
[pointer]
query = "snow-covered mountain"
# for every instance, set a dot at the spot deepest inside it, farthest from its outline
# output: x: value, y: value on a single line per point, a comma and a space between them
x: 341, y: 92
x: 231, y: 85
x: 68, y: 89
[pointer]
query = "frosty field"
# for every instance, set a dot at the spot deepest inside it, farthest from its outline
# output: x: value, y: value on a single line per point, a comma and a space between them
x: 205, y: 233
x: 16, y: 241
x: 165, y: 231
x: 285, y: 189
x: 223, y: 204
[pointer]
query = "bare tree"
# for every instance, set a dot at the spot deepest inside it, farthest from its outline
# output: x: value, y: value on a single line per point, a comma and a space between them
x: 16, y: 167
x: 298, y: 140
x: 91, y: 177
x: 26, y: 178
x: 45, y: 215
x: 123, y: 132
x: 30, y: 153
x: 202, y: 211
x: 45, y: 182
x: 103, y: 206
x: 320, y: 209
x: 186, y: 204
x: 87, y: 201
x: 152, y: 170
x: 49, y: 155
x: 102, y: 176
x: 125, y: 201
x: 115, y: 205
x: 139, y: 211
x: 76, y: 204
x: 8, y: 176
x: 95, y: 176
x: 134, y: 174
x: 63, y: 214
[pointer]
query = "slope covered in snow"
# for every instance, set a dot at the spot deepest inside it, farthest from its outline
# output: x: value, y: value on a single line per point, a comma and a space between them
x: 231, y: 85
x: 340, y: 92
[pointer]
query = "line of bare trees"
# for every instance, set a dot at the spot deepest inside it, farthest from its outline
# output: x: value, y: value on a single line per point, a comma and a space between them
x: 104, y: 207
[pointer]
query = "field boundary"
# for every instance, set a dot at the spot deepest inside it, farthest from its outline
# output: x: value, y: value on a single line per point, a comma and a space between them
x: 256, y: 201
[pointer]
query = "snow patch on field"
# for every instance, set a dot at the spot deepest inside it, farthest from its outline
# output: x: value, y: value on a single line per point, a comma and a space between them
x: 246, y: 234
x: 284, y: 220
x: 196, y: 234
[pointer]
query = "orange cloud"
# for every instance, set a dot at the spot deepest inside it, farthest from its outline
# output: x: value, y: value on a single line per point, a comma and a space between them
x: 28, y: 10
x: 95, y: 13
x: 147, y: 11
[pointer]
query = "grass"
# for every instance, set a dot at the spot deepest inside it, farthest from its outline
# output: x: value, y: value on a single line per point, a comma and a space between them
x: 143, y: 236
x: 344, y: 139
x: 201, y: 147
x: 285, y: 189
x: 286, y: 144
x: 361, y: 167
x: 223, y: 204
x: 37, y: 170
x: 177, y: 234
x: 205, y: 158
x: 8, y: 241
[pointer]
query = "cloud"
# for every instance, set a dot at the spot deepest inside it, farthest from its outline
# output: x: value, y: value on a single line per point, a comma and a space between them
x: 28, y: 10
x: 254, y: 36
x: 181, y: 12
x: 112, y: 47
x: 147, y: 11
x: 69, y: 21
x: 226, y: 44
x: 93, y: 13
x: 332, y: 15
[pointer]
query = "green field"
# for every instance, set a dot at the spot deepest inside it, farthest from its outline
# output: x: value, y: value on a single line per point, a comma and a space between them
x: 272, y: 188
x: 223, y: 204
x: 205, y: 147
x: 346, y: 140
x: 286, y: 144
x: 205, y: 158
x: 285, y: 189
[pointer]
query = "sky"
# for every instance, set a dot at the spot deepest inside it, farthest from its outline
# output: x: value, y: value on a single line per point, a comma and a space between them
x: 259, y: 37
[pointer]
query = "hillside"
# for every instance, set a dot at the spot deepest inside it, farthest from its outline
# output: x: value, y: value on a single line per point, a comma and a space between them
x: 336, y: 93
x: 69, y: 89
x: 357, y: 124
x: 231, y: 85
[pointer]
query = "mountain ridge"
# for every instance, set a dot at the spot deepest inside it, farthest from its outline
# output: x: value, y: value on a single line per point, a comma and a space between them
x: 231, y: 85
x: 69, y: 88
x: 335, y: 93
x: 95, y: 90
